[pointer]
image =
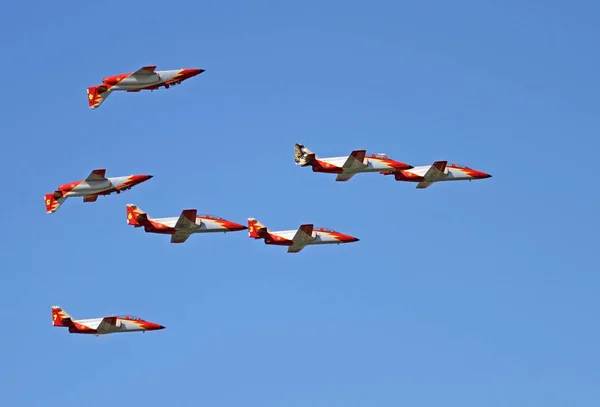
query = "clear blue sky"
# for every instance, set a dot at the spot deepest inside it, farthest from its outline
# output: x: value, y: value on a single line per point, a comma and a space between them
x: 464, y: 294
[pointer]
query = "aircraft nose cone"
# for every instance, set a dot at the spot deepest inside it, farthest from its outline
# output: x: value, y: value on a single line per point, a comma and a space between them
x: 160, y: 327
x: 348, y: 239
x: 236, y: 226
x: 188, y: 73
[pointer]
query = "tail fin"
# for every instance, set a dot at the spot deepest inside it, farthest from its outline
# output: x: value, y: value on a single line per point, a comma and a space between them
x: 302, y: 155
x: 60, y: 317
x: 135, y: 216
x: 97, y: 95
x: 256, y: 230
x: 52, y: 203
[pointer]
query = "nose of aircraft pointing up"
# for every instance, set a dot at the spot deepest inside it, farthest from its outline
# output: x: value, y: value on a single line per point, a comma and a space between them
x: 138, y: 179
x: 190, y: 72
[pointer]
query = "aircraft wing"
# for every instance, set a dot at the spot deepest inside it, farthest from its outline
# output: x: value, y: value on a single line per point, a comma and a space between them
x: 185, y: 226
x: 344, y: 177
x: 145, y: 70
x: 423, y: 185
x: 355, y: 160
x: 433, y: 174
x: 302, y: 237
x: 107, y: 325
x: 97, y: 175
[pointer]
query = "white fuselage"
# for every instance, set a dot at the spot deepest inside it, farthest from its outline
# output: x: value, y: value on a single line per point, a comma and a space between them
x: 134, y: 82
x: 122, y: 325
x: 452, y: 174
x: 372, y: 164
x: 319, y: 237
x: 85, y: 188
x: 205, y: 225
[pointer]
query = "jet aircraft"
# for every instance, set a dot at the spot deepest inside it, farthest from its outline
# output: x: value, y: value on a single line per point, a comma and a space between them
x: 101, y: 326
x: 346, y: 167
x: 437, y: 172
x: 94, y: 185
x: 145, y: 78
x: 296, y: 240
x: 180, y: 228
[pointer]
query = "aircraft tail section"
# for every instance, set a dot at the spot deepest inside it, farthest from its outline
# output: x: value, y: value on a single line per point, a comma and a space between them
x: 135, y: 216
x: 52, y: 203
x: 302, y: 155
x: 97, y: 95
x: 60, y: 317
x: 256, y: 230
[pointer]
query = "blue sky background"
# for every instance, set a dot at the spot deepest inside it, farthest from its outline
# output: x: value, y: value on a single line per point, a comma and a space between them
x: 464, y: 294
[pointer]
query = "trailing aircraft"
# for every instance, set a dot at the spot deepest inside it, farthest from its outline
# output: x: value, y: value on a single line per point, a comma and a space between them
x: 94, y: 185
x: 145, y: 78
x: 298, y: 239
x: 101, y: 326
x: 180, y: 228
x: 348, y: 166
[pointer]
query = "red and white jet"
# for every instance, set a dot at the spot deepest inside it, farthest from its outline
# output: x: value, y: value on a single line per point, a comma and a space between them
x: 102, y: 326
x: 145, y: 78
x: 346, y: 167
x: 94, y: 185
x: 182, y: 227
x: 437, y: 172
x: 297, y: 239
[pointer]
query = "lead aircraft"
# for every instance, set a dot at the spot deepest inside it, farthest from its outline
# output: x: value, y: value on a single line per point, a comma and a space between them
x: 101, y: 326
x: 145, y: 78
x: 439, y: 171
x: 348, y: 166
x: 180, y: 228
x: 296, y: 240
x: 94, y: 185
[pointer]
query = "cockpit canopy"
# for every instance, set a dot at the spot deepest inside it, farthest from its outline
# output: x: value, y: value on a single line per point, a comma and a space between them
x: 454, y: 165
x: 209, y: 216
x: 382, y: 156
x: 129, y: 317
x: 322, y: 229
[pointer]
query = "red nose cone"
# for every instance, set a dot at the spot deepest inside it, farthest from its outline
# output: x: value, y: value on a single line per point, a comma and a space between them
x: 151, y: 326
x: 188, y: 73
x: 481, y: 175
x: 138, y: 179
x: 401, y: 166
x: 234, y: 226
x: 347, y: 238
